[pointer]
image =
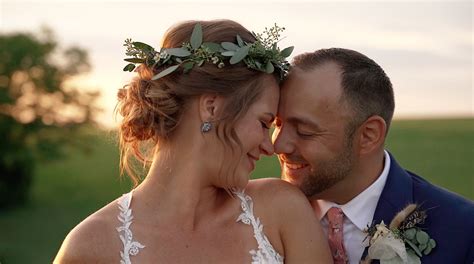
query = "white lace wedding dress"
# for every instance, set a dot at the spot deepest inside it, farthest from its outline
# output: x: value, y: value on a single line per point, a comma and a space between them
x: 265, y: 254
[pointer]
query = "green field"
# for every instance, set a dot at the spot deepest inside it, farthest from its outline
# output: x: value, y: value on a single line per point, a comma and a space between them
x: 65, y: 192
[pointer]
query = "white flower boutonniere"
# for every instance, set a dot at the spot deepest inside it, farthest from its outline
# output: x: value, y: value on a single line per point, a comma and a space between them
x: 402, y: 241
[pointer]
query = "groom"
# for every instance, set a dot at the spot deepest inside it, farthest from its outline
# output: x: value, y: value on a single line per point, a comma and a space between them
x: 335, y: 111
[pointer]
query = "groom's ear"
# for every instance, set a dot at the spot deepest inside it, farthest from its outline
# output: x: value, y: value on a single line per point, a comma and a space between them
x: 372, y: 134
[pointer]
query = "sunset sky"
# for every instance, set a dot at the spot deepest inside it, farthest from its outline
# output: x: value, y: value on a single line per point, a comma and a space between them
x: 425, y: 46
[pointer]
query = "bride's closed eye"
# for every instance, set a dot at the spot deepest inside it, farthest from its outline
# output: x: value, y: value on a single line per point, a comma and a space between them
x: 265, y: 125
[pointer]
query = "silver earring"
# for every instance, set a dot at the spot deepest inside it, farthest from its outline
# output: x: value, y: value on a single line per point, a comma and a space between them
x: 206, y: 127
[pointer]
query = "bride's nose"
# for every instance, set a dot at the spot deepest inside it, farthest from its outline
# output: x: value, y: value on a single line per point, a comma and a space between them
x: 266, y: 147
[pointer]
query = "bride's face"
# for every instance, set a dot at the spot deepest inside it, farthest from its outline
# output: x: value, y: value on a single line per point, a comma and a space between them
x: 253, y: 130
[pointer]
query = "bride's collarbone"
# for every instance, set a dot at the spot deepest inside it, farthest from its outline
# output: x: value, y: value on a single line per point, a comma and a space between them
x: 213, y: 246
x: 214, y: 242
x: 204, y: 231
x: 185, y: 219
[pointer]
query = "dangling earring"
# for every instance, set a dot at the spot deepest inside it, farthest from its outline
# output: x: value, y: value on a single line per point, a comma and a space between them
x: 206, y: 127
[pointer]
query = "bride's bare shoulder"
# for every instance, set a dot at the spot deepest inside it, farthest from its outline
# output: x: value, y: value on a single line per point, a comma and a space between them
x: 279, y: 197
x: 274, y: 188
x: 94, y: 240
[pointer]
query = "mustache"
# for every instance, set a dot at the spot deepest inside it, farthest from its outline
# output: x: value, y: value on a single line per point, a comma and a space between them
x: 291, y: 159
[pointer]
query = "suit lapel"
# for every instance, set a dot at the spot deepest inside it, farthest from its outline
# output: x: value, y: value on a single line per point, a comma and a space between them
x: 397, y: 193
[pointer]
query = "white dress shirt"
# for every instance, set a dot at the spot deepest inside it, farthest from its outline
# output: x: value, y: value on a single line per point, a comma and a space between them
x: 358, y: 213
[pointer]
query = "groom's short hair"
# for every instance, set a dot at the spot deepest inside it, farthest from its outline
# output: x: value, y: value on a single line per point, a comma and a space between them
x: 366, y: 88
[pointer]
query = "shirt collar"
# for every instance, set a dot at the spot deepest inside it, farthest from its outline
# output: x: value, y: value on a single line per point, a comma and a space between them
x: 365, y: 202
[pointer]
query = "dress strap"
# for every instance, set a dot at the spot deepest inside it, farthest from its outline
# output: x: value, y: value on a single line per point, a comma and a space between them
x: 125, y: 216
x: 265, y: 249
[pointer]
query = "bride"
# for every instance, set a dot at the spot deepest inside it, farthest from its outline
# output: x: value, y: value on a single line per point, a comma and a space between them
x: 204, y: 110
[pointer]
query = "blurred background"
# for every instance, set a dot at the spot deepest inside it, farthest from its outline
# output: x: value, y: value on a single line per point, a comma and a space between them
x: 61, y: 66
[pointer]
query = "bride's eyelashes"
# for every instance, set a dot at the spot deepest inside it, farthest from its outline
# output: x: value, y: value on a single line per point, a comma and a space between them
x: 265, y: 125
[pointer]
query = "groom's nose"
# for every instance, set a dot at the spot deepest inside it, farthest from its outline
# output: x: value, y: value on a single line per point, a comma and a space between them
x: 282, y: 143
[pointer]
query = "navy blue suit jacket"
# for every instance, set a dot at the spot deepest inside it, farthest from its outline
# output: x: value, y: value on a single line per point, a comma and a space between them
x: 450, y: 218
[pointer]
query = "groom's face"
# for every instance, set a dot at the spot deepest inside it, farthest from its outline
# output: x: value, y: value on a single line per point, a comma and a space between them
x: 310, y: 137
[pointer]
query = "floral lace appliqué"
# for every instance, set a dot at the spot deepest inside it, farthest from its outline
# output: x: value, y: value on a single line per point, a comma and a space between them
x: 130, y: 247
x: 265, y: 253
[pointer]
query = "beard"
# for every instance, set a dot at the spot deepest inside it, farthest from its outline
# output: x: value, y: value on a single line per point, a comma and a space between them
x: 326, y: 173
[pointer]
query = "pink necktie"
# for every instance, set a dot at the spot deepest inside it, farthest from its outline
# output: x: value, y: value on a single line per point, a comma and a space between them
x: 335, y: 235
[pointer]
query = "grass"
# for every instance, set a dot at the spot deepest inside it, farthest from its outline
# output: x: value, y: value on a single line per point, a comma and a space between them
x: 63, y: 193
x: 66, y: 191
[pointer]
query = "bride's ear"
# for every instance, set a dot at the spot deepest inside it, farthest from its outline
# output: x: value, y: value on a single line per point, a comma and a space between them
x: 210, y: 107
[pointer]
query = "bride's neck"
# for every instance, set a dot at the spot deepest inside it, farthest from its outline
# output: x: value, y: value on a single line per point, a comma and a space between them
x: 180, y: 187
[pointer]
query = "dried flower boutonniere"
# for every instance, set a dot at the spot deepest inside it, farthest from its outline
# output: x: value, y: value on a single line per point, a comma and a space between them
x: 402, y: 241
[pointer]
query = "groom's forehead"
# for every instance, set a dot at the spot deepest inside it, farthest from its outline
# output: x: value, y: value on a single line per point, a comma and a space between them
x: 319, y: 87
x: 322, y: 78
x: 312, y: 94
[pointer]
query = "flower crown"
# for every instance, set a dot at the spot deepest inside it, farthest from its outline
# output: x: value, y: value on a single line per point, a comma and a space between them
x: 262, y: 55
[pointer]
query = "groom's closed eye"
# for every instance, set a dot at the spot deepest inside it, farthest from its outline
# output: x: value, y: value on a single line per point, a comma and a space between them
x: 307, y: 130
x: 305, y: 133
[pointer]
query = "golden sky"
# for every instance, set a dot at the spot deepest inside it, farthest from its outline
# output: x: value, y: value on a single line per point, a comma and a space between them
x: 424, y: 46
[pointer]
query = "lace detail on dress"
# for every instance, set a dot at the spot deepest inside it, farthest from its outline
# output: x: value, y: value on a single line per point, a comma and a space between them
x: 130, y: 247
x: 265, y: 253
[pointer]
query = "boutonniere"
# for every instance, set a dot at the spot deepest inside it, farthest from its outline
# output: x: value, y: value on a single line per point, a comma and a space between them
x: 402, y: 241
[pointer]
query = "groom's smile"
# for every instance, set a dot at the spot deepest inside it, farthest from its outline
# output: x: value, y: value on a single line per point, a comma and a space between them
x: 293, y: 169
x: 293, y: 166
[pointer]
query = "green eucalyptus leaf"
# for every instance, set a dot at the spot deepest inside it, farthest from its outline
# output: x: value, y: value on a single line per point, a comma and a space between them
x: 240, y: 41
x: 422, y: 247
x: 412, y: 257
x: 432, y: 243
x: 229, y: 46
x: 228, y: 53
x: 135, y: 60
x: 427, y: 250
x: 213, y: 47
x: 178, y: 52
x: 422, y: 237
x: 239, y: 55
x: 187, y: 66
x: 287, y: 52
x: 142, y: 46
x: 196, y: 36
x: 130, y: 67
x: 165, y: 72
x: 167, y: 58
x: 179, y: 60
x: 414, y: 247
x: 410, y: 233
x: 269, y: 67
